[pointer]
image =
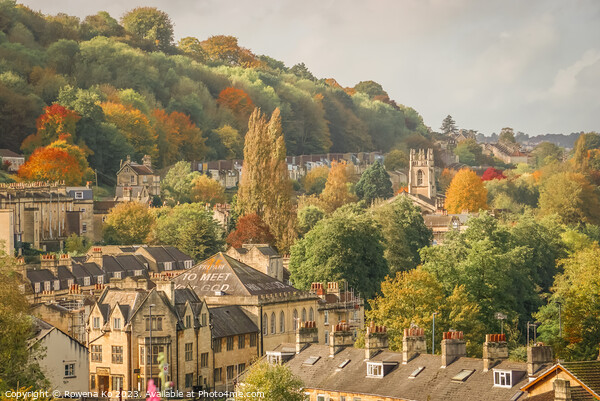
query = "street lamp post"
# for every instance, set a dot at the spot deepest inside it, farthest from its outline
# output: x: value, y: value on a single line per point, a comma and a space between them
x: 150, y: 348
x: 433, y: 335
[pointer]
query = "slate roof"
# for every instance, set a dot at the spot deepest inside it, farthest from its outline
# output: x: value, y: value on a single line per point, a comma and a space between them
x: 587, y: 372
x: 230, y: 321
x: 40, y: 275
x: 9, y: 153
x: 432, y: 383
x: 104, y: 206
x: 221, y: 272
x: 128, y: 300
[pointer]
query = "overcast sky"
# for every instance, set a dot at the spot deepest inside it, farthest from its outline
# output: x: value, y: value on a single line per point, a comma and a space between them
x: 533, y: 65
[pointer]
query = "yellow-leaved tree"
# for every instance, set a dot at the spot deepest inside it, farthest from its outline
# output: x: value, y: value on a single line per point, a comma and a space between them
x: 337, y: 188
x: 265, y: 187
x: 466, y: 192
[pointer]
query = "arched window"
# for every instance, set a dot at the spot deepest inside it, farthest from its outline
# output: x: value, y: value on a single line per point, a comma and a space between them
x: 420, y: 177
x: 304, y: 314
x: 265, y: 325
x: 295, y: 319
x: 311, y: 315
x: 282, y: 322
x: 273, y: 323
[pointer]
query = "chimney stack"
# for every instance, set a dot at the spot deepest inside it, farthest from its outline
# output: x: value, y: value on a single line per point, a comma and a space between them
x: 333, y: 288
x: 339, y: 338
x: 306, y: 334
x: 97, y: 256
x: 453, y: 347
x: 537, y: 356
x: 49, y: 262
x: 413, y: 344
x: 562, y: 390
x: 495, y: 350
x: 317, y: 288
x: 65, y: 260
x: 168, y: 287
x: 376, y: 340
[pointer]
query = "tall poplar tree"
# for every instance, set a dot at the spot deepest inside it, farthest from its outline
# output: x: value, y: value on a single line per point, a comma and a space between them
x: 265, y: 187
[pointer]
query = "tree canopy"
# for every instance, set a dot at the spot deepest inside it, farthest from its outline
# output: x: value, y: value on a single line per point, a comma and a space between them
x: 374, y: 183
x: 346, y: 246
x: 466, y: 192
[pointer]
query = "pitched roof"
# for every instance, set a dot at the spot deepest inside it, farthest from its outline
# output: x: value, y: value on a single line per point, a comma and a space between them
x: 223, y: 273
x: 585, y: 373
x: 9, y: 153
x: 40, y: 275
x: 432, y: 383
x: 230, y: 321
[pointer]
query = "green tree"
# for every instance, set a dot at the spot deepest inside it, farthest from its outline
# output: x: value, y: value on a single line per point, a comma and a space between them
x: 374, y: 183
x: 469, y: 152
x: 578, y: 290
x: 449, y: 125
x: 150, y: 23
x: 412, y: 297
x: 507, y: 135
x: 346, y: 246
x: 127, y: 224
x: 177, y: 185
x: 308, y: 217
x: 546, y: 153
x: 273, y: 382
x: 74, y: 244
x: 191, y: 228
x: 491, y: 266
x: 18, y: 366
x: 395, y: 160
x: 370, y: 88
x: 572, y: 197
x: 404, y: 232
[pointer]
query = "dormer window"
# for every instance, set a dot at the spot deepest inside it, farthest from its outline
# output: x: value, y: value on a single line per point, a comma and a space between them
x: 374, y: 369
x: 117, y: 274
x: 117, y: 323
x: 56, y: 285
x: 168, y: 265
x: 37, y: 287
x: 138, y: 272
x: 502, y: 378
x: 187, y: 264
x: 70, y: 282
x: 96, y: 322
x: 100, y: 280
x: 79, y: 195
x: 86, y: 281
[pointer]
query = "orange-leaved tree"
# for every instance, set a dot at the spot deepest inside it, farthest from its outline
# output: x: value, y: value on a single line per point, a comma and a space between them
x: 225, y: 49
x: 178, y: 137
x: 466, y: 192
x: 207, y: 190
x: 237, y: 100
x: 56, y: 122
x: 134, y: 125
x: 56, y: 162
x: 337, y: 188
x: 250, y: 229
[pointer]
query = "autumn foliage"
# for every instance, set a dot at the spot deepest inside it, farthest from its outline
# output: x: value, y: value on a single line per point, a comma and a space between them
x: 56, y: 162
x: 56, y: 122
x: 466, y: 193
x: 134, y: 125
x: 225, y: 49
x: 207, y: 190
x: 178, y: 137
x: 250, y: 229
x: 337, y: 192
x: 492, y: 174
x: 237, y: 100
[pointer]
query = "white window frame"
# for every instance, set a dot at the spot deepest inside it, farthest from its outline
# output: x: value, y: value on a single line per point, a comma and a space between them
x: 168, y: 265
x: 374, y: 369
x: 326, y: 317
x: 100, y: 279
x: 96, y: 322
x: 117, y: 323
x: 56, y: 285
x: 86, y: 281
x: 37, y: 287
x: 502, y: 374
x: 78, y: 194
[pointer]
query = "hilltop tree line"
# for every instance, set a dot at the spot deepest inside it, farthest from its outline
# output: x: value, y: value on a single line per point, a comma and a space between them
x: 127, y: 88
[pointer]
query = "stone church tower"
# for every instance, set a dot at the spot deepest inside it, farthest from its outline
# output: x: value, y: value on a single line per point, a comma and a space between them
x: 421, y: 177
